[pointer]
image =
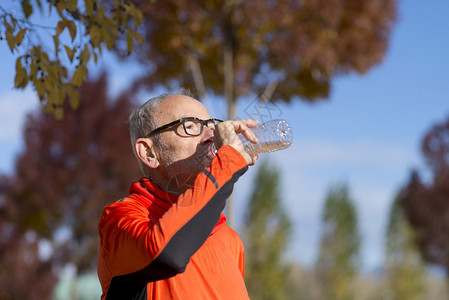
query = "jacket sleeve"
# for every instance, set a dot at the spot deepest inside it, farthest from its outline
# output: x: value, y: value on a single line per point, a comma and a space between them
x: 137, y: 249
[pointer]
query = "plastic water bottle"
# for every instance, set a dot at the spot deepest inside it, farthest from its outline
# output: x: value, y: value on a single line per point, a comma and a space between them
x: 273, y: 136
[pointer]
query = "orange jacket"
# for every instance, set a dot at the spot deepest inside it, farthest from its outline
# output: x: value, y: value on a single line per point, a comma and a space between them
x: 154, y: 245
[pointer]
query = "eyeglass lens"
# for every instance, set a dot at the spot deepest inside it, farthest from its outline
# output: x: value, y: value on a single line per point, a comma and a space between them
x: 194, y: 127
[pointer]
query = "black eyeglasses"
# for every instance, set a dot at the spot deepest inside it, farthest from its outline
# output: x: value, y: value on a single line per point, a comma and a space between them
x: 192, y: 126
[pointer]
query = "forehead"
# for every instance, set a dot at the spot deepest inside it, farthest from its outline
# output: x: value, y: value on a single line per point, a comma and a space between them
x: 175, y: 107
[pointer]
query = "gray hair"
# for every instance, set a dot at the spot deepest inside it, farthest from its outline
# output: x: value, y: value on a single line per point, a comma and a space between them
x: 143, y: 120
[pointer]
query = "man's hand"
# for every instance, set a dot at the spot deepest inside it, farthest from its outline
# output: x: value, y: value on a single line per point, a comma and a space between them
x: 226, y: 134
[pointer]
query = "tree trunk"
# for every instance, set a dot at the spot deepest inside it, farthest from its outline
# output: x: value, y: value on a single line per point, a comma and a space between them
x: 197, y: 76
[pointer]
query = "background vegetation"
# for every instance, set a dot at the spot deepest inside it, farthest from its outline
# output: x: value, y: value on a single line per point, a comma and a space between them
x: 69, y: 169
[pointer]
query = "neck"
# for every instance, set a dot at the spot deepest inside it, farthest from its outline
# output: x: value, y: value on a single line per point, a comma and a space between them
x: 175, y: 185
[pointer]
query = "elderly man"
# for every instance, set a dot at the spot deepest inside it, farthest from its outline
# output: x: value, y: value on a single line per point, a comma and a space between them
x: 168, y: 239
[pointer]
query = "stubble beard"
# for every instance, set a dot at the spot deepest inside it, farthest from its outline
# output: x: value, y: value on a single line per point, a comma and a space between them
x: 181, y: 174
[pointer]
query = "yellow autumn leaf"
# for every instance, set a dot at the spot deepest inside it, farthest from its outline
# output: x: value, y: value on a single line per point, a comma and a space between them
x: 94, y: 35
x: 138, y: 37
x: 110, y: 41
x: 27, y: 8
x: 19, y: 63
x: 60, y: 27
x: 21, y: 78
x: 53, y: 96
x: 19, y: 36
x: 58, y: 113
x: 64, y: 72
x: 10, y: 40
x: 40, y: 87
x: 89, y: 6
x: 74, y: 97
x: 129, y: 41
x: 48, y: 84
x: 72, y: 29
x: 39, y: 4
x: 72, y: 4
x: 78, y: 76
x: 70, y: 52
x: 85, y: 55
x: 56, y: 43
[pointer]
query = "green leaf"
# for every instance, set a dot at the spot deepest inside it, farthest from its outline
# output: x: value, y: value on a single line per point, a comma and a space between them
x: 27, y: 8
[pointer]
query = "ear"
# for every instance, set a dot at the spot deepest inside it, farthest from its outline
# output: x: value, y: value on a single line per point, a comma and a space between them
x: 145, y: 151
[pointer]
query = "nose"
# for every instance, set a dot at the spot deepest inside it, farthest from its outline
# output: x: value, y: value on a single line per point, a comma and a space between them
x: 208, y: 134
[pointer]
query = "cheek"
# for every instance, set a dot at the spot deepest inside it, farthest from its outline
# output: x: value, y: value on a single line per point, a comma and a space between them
x: 180, y: 148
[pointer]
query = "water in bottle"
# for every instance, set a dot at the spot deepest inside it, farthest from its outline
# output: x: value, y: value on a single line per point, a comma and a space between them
x: 272, y: 136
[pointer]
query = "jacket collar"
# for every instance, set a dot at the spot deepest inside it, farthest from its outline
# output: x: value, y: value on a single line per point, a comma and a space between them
x: 160, y: 200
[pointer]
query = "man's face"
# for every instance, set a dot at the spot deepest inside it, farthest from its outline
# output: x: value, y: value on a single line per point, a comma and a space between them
x: 182, y: 157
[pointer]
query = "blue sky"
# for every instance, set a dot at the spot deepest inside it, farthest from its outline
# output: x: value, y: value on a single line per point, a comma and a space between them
x: 366, y: 134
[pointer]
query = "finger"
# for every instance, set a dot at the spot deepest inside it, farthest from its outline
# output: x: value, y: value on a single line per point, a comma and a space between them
x: 251, y: 123
x: 253, y: 159
x: 241, y: 128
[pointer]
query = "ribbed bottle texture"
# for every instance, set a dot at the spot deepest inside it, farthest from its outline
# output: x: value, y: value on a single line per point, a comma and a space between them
x: 273, y: 136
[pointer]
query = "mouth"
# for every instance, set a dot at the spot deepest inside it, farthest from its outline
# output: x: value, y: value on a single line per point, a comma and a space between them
x: 210, y: 147
x: 212, y: 150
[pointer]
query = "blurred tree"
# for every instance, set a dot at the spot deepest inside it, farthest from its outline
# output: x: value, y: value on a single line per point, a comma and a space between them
x: 303, y: 283
x: 267, y: 234
x: 280, y: 50
x: 340, y: 245
x: 426, y: 205
x: 45, y: 55
x: 67, y: 172
x: 232, y: 48
x: 405, y: 272
x: 23, y: 275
